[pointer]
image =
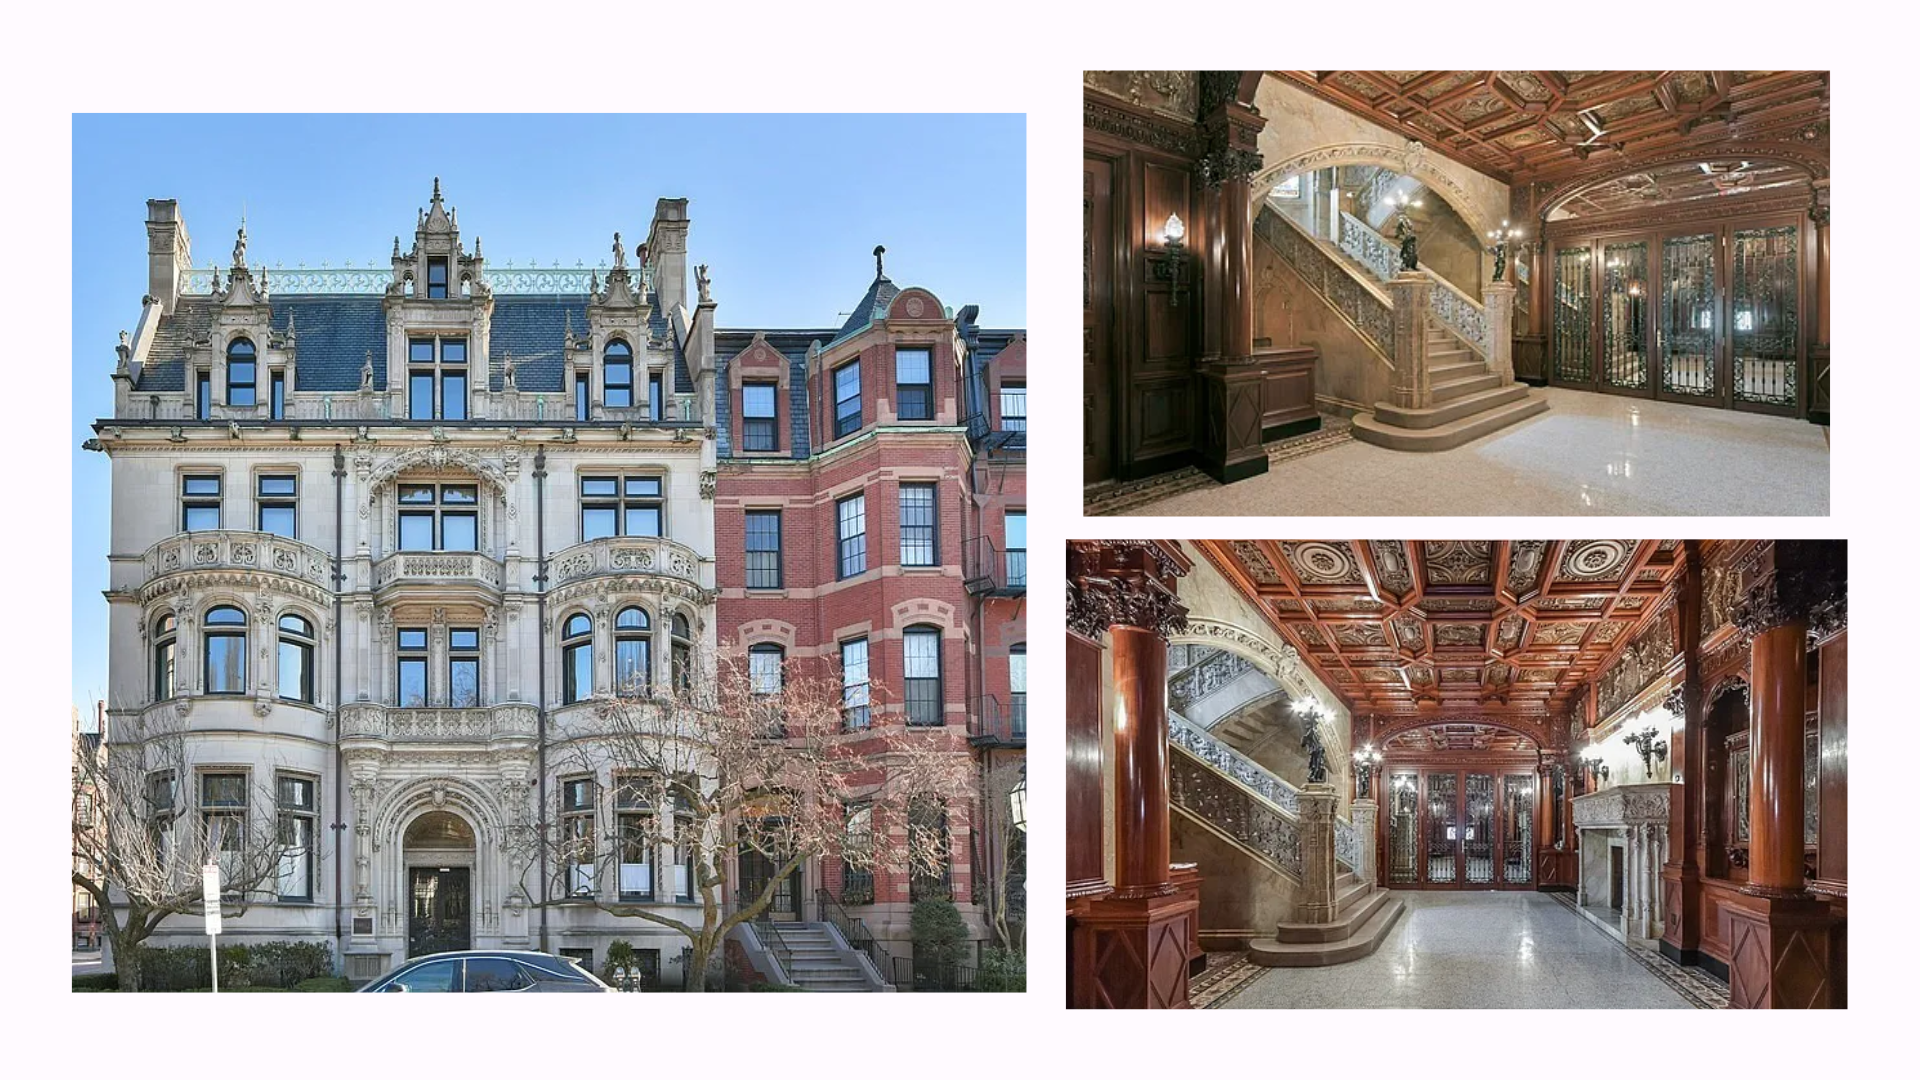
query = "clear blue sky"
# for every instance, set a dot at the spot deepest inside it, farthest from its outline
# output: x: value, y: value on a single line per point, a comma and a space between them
x: 785, y: 209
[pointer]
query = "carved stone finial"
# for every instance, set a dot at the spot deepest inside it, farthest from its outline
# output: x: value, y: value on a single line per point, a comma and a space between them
x: 123, y: 339
x: 436, y: 191
x: 569, y: 338
x: 476, y: 245
x: 879, y: 266
x: 396, y: 245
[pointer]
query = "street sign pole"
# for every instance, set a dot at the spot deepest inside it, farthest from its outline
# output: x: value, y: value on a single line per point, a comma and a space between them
x: 210, y: 905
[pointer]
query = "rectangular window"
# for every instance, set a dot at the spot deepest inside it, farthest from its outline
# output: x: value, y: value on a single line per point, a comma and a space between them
x: 1013, y: 406
x: 202, y: 395
x: 420, y: 380
x: 618, y: 392
x: 851, y: 529
x: 923, y: 677
x: 274, y: 505
x: 277, y: 404
x: 763, y: 549
x: 199, y: 503
x: 437, y: 278
x: 621, y: 506
x: 853, y: 684
x: 846, y: 399
x: 637, y: 837
x: 453, y: 380
x: 913, y: 372
x: 439, y: 517
x: 856, y: 875
x: 758, y: 413
x: 1017, y: 683
x: 656, y: 397
x: 580, y: 385
x: 437, y: 379
x: 223, y: 811
x: 463, y: 668
x: 295, y: 797
x: 161, y: 789
x: 240, y: 380
x: 576, y: 832
x: 919, y: 519
x: 1017, y: 548
x: 412, y: 651
x: 928, y: 848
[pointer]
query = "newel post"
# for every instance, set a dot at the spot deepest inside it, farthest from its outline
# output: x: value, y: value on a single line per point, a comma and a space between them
x: 1412, y: 381
x: 1498, y: 297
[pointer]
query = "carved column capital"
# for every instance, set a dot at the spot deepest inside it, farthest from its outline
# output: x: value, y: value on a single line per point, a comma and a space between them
x: 1123, y: 583
x: 1796, y: 581
x: 1229, y: 128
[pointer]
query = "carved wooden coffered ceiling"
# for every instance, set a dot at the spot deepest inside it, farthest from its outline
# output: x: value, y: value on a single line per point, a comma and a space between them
x: 1453, y: 627
x: 1538, y: 125
x: 1688, y: 183
x: 1440, y: 738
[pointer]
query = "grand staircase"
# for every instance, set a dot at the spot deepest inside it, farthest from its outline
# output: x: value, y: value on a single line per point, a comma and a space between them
x: 1468, y: 401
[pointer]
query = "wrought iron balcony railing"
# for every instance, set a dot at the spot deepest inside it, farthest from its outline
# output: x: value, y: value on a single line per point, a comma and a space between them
x: 483, y: 724
x: 991, y: 722
x: 992, y: 570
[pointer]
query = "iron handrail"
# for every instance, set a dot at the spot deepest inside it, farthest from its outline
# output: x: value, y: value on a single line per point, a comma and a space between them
x: 855, y: 931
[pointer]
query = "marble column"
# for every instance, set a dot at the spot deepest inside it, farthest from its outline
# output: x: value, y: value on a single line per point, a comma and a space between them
x: 1783, y: 938
x: 1412, y: 381
x: 1686, y: 855
x: 1129, y: 947
x: 1498, y: 298
x: 1366, y: 824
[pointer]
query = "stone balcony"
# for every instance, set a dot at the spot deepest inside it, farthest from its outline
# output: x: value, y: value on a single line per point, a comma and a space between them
x: 623, y: 556
x: 443, y: 574
x: 231, y: 550
x: 509, y: 722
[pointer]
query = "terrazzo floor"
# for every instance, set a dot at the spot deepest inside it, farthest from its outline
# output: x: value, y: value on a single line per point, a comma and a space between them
x: 1474, y: 950
x: 1588, y: 454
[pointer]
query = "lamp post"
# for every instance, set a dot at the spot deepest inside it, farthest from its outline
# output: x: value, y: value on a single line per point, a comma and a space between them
x: 1501, y: 237
x: 1365, y: 760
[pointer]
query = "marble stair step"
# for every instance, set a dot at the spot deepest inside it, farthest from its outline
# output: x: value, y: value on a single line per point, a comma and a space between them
x: 1345, y: 921
x: 1365, y: 938
x: 1447, y: 412
x: 1456, y: 369
x: 1369, y: 429
x: 1473, y: 383
x: 1344, y: 899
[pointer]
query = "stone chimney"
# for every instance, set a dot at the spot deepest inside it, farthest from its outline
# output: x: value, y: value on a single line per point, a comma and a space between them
x: 169, y: 253
x: 667, y: 251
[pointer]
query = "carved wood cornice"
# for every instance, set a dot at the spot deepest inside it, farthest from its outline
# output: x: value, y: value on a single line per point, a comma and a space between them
x: 1118, y: 119
x: 1123, y: 583
x: 1685, y: 213
x: 1797, y: 581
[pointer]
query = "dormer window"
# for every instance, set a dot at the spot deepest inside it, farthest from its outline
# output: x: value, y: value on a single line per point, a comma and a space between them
x: 619, y: 375
x: 758, y: 414
x: 437, y: 379
x: 913, y: 372
x: 437, y: 278
x: 241, y: 387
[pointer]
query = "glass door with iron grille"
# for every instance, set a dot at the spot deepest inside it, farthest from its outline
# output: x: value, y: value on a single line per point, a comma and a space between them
x: 1516, y: 828
x: 1764, y: 327
x: 1690, y: 322
x: 1441, y: 855
x: 1403, y: 829
x: 1626, y: 328
x: 1572, y: 297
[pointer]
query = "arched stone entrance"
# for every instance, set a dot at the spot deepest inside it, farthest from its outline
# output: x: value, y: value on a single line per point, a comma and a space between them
x: 1404, y: 160
x: 439, y: 854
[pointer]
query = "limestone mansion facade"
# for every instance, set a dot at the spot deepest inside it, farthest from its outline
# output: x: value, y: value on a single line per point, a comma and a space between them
x: 375, y: 532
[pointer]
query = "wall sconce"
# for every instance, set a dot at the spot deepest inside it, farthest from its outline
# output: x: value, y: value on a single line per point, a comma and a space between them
x: 1650, y: 746
x: 1170, y: 264
x: 1365, y: 760
x: 1501, y: 237
x: 1597, y: 770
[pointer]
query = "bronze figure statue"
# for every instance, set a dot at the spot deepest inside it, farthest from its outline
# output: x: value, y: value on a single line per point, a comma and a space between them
x: 1409, y: 254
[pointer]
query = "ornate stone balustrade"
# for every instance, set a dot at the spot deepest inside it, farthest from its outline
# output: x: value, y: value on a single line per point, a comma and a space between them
x: 436, y: 568
x: 232, y: 550
x: 612, y: 556
x: 1243, y: 772
x: 512, y: 720
x: 1346, y: 844
x: 1363, y: 305
x: 1369, y: 248
x: 1458, y: 312
x: 1204, y: 678
x: 1238, y: 813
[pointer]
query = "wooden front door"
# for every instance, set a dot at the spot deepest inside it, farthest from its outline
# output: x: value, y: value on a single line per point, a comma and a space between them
x: 755, y: 870
x: 441, y: 916
x: 1096, y: 288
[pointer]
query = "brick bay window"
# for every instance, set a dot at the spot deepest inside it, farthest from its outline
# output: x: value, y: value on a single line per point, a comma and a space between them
x: 1017, y: 548
x: 854, y: 697
x: 620, y: 506
x: 922, y: 647
x: 919, y: 525
x: 846, y: 399
x: 757, y: 417
x: 856, y: 876
x: 913, y: 378
x: 850, y: 532
x: 439, y: 517
x: 437, y: 379
x: 928, y: 844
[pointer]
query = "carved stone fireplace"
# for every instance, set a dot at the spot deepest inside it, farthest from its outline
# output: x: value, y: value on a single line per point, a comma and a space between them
x: 1631, y: 819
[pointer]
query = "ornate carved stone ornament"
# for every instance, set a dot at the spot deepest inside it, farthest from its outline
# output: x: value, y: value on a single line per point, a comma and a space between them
x: 1229, y: 130
x: 1805, y: 581
x: 1122, y: 582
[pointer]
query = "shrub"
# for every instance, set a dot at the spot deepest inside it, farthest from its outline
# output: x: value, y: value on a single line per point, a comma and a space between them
x: 939, y: 933
x: 104, y: 981
x: 1001, y: 971
x: 278, y: 965
x: 326, y: 984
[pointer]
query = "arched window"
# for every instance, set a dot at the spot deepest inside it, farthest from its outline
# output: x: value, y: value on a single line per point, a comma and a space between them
x: 682, y: 653
x: 296, y: 659
x: 165, y: 635
x: 576, y: 658
x: 226, y: 652
x: 924, y: 707
x: 632, y: 652
x: 617, y: 390
x: 241, y: 380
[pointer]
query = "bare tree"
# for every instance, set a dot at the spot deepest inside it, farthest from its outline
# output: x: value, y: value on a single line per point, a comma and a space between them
x: 139, y: 842
x: 728, y: 765
x: 1003, y: 788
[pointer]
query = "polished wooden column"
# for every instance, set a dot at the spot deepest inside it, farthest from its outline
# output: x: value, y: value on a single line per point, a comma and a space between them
x: 1129, y: 949
x: 1680, y: 877
x: 1783, y: 938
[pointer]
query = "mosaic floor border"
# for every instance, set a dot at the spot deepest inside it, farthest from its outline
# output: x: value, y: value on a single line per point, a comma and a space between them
x: 1227, y: 974
x: 1701, y: 990
x: 1111, y: 498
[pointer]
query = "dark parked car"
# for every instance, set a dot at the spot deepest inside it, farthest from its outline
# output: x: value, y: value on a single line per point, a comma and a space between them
x: 487, y: 970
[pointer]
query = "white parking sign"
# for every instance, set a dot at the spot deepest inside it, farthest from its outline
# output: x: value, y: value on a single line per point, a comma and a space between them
x: 210, y: 896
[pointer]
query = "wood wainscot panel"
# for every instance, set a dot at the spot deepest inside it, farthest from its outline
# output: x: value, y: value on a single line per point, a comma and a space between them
x: 1163, y: 424
x: 1186, y: 880
x: 1132, y: 953
x: 1530, y: 358
x: 1286, y: 394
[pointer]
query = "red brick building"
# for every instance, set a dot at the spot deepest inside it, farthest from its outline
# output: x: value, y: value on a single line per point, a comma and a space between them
x: 870, y: 518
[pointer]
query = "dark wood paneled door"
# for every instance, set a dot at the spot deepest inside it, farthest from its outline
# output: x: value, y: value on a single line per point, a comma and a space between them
x: 441, y: 916
x: 1096, y: 346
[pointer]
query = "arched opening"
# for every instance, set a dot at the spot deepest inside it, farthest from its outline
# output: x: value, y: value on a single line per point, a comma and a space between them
x: 1356, y: 208
x: 1462, y: 807
x: 439, y: 851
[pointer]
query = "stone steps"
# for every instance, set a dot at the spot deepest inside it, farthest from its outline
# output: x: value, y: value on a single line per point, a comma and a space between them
x: 1461, y: 387
x: 1448, y: 412
x: 814, y: 962
x: 1461, y: 370
x: 1447, y: 435
x: 1362, y: 938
